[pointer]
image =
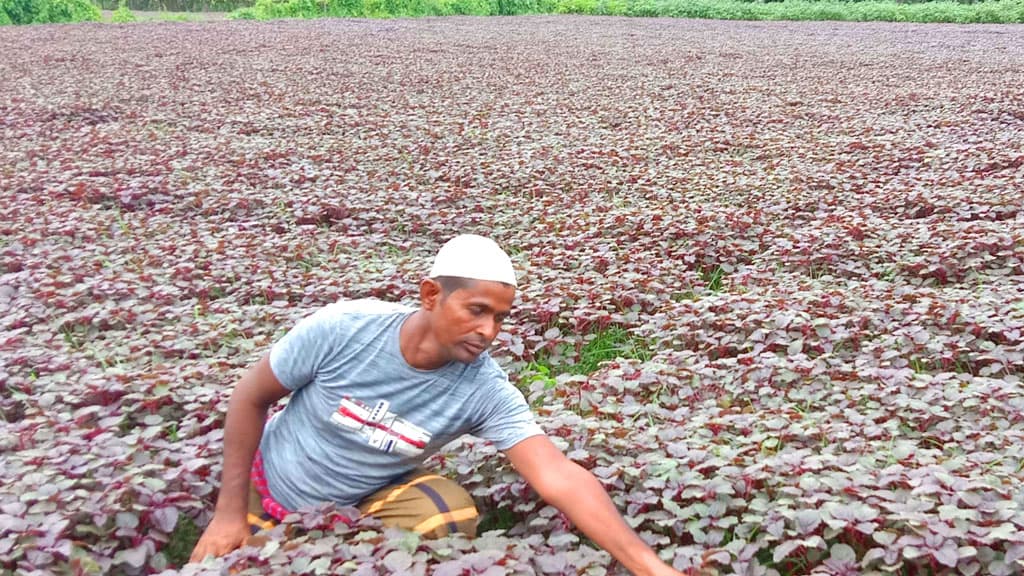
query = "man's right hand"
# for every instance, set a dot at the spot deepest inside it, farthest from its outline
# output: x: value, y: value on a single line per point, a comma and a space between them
x: 222, y: 536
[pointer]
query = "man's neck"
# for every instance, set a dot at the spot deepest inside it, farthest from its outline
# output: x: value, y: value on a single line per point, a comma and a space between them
x: 418, y: 349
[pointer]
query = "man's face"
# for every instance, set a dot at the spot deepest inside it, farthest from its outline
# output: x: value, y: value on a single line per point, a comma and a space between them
x: 467, y: 320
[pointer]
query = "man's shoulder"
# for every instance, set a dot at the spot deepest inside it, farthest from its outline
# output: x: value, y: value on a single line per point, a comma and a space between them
x: 487, y: 368
x: 491, y: 378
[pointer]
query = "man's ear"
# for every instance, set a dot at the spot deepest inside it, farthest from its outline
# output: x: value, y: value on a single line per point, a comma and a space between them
x: 430, y: 294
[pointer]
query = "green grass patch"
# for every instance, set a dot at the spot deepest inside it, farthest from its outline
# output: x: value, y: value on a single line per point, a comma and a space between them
x: 183, y: 539
x: 612, y: 343
x: 537, y: 372
x: 164, y: 16
x: 175, y: 17
x: 713, y: 277
x: 986, y: 11
x: 497, y: 519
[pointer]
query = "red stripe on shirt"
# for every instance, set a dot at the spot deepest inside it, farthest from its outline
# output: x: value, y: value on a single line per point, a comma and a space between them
x: 346, y: 412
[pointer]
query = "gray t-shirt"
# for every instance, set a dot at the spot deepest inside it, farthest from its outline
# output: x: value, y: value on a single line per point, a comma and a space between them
x: 360, y: 416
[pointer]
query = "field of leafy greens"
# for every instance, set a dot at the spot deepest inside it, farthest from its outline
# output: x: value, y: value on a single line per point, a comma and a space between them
x: 804, y: 242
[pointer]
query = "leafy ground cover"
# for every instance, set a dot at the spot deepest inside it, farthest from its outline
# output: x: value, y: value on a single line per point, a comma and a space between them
x: 804, y: 239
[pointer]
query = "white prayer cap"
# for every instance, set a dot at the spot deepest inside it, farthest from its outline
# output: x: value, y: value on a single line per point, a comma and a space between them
x: 474, y: 257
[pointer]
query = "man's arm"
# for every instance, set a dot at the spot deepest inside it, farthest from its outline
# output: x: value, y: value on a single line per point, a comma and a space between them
x: 257, y: 390
x: 573, y: 490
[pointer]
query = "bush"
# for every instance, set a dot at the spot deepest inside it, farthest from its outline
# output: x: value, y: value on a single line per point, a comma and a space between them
x: 468, y: 7
x: 69, y: 11
x: 341, y: 8
x: 612, y: 7
x: 48, y: 11
x: 408, y: 8
x: 269, y: 9
x: 513, y: 7
x: 21, y: 11
x: 176, y: 5
x: 642, y: 8
x: 576, y: 7
x: 122, y: 15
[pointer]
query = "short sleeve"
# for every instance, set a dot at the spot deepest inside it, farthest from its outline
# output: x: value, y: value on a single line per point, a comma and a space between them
x: 297, y: 356
x: 508, y: 419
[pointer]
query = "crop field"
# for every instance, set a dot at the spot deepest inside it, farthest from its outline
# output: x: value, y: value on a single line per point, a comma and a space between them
x: 771, y: 279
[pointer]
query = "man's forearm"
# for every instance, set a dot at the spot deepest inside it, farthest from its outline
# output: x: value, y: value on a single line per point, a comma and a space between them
x: 243, y: 430
x: 583, y: 499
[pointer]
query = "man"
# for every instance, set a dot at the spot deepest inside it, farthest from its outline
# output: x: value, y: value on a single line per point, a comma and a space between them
x: 376, y: 388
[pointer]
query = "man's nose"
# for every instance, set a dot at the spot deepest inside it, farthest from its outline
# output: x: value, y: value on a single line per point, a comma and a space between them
x: 489, y: 329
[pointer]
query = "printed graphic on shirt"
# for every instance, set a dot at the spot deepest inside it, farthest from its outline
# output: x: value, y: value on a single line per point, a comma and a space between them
x: 383, y: 430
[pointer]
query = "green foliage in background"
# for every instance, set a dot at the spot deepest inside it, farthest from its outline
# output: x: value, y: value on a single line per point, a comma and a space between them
x: 176, y: 5
x: 47, y: 11
x: 122, y: 15
x: 990, y: 11
x: 963, y: 11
